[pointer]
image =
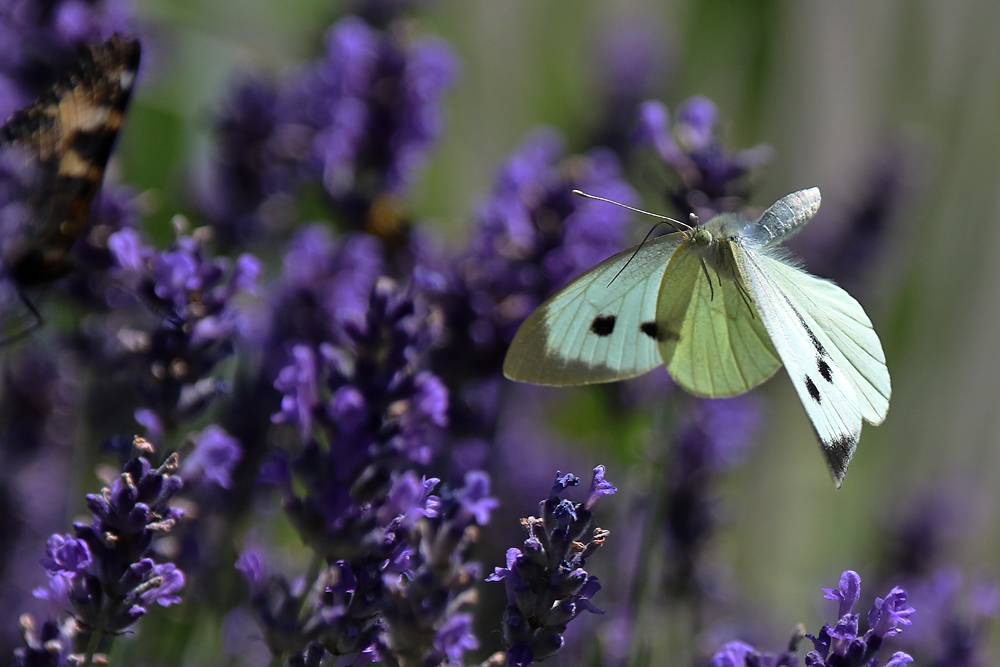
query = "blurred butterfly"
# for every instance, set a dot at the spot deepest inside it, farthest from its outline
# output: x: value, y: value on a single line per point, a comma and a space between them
x: 53, y: 155
x: 722, y: 307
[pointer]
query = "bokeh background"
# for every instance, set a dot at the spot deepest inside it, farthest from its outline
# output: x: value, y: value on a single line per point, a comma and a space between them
x: 890, y: 108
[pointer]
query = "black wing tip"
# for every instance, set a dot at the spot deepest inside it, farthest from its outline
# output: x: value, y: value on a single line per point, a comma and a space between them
x: 838, y: 452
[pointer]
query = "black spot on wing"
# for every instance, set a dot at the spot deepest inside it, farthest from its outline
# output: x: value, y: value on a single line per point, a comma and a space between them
x: 825, y: 370
x: 603, y: 325
x: 93, y: 146
x: 838, y: 451
x: 813, y: 391
x: 658, y: 333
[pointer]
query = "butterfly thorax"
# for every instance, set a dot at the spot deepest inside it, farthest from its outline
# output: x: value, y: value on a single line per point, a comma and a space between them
x: 713, y: 243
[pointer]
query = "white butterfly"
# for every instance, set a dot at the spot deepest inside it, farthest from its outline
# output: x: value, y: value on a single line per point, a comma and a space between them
x: 722, y: 308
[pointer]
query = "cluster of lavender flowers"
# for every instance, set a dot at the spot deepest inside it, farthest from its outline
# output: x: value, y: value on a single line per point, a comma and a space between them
x: 194, y: 292
x: 109, y: 573
x: 359, y: 122
x: 843, y: 644
x: 546, y: 584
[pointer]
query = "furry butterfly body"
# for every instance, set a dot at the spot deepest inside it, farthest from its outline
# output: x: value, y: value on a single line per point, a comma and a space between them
x: 722, y: 308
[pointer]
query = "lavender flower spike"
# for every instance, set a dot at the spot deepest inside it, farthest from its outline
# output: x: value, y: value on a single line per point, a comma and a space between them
x: 107, y: 574
x: 844, y: 645
x: 547, y: 586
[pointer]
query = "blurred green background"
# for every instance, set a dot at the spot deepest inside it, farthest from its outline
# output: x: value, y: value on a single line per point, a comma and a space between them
x: 829, y: 85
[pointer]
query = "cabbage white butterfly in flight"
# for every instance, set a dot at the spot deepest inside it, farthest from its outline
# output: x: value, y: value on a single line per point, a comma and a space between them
x: 722, y: 308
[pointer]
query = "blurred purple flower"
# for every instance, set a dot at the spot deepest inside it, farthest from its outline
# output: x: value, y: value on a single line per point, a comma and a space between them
x: 324, y: 284
x: 176, y: 359
x: 360, y: 121
x: 709, y: 180
x: 50, y: 644
x: 848, y: 243
x: 956, y: 616
x: 246, y: 188
x: 215, y: 455
x: 711, y: 437
x: 374, y: 104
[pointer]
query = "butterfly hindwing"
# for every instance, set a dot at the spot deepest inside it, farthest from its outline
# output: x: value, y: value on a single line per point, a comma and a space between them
x: 601, y: 327
x: 854, y: 344
x: 710, y: 338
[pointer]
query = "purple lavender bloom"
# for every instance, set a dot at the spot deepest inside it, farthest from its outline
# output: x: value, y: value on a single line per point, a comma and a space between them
x: 246, y: 191
x: 175, y: 360
x: 367, y: 417
x: 215, y: 455
x: 376, y: 413
x: 325, y: 283
x: 844, y: 645
x: 546, y: 584
x: 360, y: 121
x: 709, y: 180
x: 374, y: 104
x: 424, y: 599
x: 65, y: 554
x: 108, y: 573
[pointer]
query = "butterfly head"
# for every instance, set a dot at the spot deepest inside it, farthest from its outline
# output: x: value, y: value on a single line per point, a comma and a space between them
x: 701, y: 238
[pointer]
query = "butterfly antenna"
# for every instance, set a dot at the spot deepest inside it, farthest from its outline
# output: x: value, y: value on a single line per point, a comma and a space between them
x: 677, y: 225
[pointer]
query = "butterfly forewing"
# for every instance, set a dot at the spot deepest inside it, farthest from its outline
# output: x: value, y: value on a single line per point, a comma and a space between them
x: 710, y: 339
x: 601, y: 327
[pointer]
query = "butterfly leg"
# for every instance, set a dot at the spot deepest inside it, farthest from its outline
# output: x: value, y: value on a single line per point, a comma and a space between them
x: 38, y: 323
x: 746, y: 298
x: 711, y: 290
